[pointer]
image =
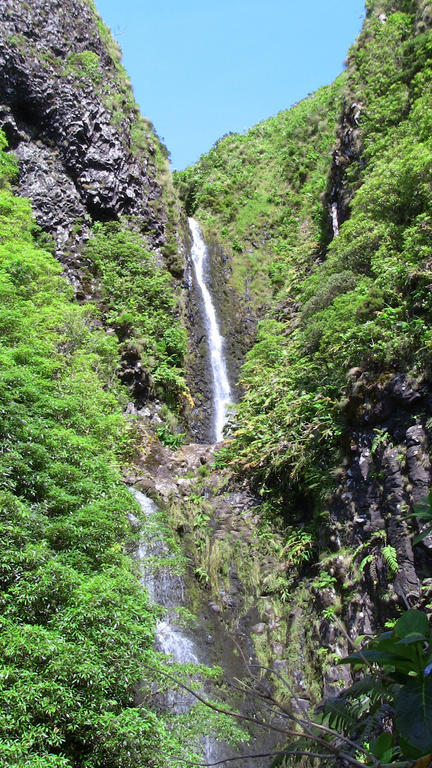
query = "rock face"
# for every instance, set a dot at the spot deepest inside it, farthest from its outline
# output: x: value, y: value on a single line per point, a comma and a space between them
x: 347, y: 151
x: 387, y: 469
x: 68, y: 113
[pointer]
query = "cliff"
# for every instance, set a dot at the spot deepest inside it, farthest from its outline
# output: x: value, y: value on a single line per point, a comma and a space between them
x: 87, y: 156
x: 319, y: 224
x: 68, y: 112
x: 85, y: 297
x: 324, y: 214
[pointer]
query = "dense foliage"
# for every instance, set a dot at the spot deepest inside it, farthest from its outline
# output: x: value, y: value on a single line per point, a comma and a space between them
x: 366, y: 302
x: 76, y: 626
x: 138, y: 301
x: 385, y: 716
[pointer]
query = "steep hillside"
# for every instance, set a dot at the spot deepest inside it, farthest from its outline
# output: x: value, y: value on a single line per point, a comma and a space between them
x: 77, y: 625
x: 259, y: 194
x: 94, y: 170
x: 326, y: 214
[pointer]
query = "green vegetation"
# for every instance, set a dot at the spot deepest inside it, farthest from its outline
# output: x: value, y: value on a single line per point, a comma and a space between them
x: 259, y: 194
x: 138, y: 301
x: 384, y: 718
x: 85, y: 66
x: 399, y: 681
x: 361, y: 300
x: 76, y: 626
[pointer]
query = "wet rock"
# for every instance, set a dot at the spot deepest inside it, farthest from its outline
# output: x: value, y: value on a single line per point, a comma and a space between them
x: 259, y: 629
x: 418, y: 462
x: 277, y: 649
x: 280, y: 666
x: 215, y: 607
x: 402, y: 389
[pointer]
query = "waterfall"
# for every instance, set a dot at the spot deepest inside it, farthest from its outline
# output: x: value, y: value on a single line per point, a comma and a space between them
x: 167, y: 589
x: 335, y: 222
x: 185, y: 645
x: 222, y: 396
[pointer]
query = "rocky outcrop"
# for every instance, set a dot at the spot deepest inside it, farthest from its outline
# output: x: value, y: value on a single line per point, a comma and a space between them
x: 347, y: 151
x: 375, y: 568
x: 68, y: 112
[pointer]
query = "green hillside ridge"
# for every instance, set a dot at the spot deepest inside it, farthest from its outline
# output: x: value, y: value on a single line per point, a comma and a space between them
x: 362, y: 299
x: 76, y: 624
x: 259, y: 194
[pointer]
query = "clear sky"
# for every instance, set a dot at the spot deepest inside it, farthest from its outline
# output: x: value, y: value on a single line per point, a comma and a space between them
x: 200, y: 69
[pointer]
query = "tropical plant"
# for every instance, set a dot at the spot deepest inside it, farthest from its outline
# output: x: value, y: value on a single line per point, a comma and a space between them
x: 423, y: 512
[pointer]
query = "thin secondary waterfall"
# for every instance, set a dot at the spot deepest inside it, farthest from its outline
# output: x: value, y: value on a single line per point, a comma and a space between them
x: 335, y: 220
x: 167, y: 587
x: 166, y: 590
x: 222, y: 396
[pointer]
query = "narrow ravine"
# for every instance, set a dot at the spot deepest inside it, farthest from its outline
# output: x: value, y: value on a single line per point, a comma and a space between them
x: 222, y: 395
x: 166, y: 587
x: 206, y: 642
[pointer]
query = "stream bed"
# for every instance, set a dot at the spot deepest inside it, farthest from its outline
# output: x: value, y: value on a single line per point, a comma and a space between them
x: 204, y: 642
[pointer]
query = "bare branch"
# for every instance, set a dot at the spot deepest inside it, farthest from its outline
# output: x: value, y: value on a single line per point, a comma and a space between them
x: 263, y: 754
x: 307, y: 724
x: 336, y: 751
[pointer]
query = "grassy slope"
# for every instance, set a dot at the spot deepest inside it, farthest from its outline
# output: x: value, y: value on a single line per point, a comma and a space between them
x: 366, y: 299
x: 259, y: 193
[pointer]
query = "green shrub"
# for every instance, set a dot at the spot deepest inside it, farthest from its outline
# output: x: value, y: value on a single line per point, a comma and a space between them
x: 138, y: 301
x: 84, y: 65
x: 76, y: 625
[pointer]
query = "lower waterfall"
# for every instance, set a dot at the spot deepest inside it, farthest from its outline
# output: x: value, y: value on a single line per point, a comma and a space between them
x: 168, y: 590
x: 222, y: 396
x: 189, y: 645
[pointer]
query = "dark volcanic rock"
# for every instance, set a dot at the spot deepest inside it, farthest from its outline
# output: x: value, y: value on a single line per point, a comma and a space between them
x: 71, y: 126
x: 389, y: 471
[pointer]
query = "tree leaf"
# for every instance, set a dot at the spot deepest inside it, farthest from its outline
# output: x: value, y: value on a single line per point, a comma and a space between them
x: 417, y: 539
x: 382, y: 745
x: 411, y: 621
x: 414, y: 637
x: 413, y: 707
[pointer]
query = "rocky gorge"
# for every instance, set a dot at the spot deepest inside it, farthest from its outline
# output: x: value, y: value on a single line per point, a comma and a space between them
x: 296, y: 532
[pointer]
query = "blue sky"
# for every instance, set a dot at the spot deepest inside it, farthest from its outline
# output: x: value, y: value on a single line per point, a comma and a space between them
x: 201, y: 69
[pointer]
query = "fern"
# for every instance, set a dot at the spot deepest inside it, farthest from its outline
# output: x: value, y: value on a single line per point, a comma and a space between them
x: 390, y: 556
x: 364, y: 562
x: 379, y: 439
x: 369, y: 686
x: 337, y: 715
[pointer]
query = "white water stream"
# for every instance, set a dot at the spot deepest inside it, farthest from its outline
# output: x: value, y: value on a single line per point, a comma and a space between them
x: 335, y: 222
x: 167, y: 588
x: 222, y: 396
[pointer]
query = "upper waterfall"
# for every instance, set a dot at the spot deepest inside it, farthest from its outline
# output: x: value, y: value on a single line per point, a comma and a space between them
x: 222, y: 396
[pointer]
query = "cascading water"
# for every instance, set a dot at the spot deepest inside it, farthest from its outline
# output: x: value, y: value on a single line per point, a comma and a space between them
x: 168, y: 588
x: 168, y: 591
x: 222, y: 396
x: 335, y: 219
x: 183, y: 645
